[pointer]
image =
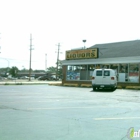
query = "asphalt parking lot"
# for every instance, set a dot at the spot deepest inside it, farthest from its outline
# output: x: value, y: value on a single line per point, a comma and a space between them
x: 43, y: 112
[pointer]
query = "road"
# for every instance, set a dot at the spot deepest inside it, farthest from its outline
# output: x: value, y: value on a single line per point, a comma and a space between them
x: 43, y: 112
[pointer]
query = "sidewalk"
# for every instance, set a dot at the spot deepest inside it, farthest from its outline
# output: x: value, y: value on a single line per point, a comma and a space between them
x: 32, y: 82
x: 54, y: 83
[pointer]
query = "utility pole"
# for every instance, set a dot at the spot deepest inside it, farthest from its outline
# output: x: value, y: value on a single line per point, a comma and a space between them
x: 0, y: 46
x: 30, y: 57
x: 57, y: 60
x: 45, y: 62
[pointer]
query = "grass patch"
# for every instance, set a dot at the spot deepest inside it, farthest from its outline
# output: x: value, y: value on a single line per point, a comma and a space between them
x: 6, y: 84
x: 18, y: 83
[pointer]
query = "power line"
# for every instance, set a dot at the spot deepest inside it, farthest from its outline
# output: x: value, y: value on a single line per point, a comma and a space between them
x: 12, y: 59
x: 18, y: 60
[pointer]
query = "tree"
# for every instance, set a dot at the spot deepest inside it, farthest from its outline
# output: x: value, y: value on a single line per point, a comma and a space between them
x: 24, y: 70
x: 13, y: 71
x: 54, y: 69
x: 51, y: 69
x: 4, y: 71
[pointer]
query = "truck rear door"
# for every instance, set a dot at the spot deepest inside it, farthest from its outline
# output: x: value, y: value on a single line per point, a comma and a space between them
x: 106, y: 77
x: 99, y: 77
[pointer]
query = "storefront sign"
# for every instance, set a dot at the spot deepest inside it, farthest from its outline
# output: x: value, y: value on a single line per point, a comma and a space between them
x: 82, y: 54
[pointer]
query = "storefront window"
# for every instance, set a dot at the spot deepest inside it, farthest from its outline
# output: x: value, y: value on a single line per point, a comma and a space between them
x: 98, y: 66
x: 105, y: 66
x: 114, y: 67
x: 73, y: 72
x: 133, y: 73
x: 69, y: 68
x: 77, y: 72
x: 91, y: 68
x: 123, y: 73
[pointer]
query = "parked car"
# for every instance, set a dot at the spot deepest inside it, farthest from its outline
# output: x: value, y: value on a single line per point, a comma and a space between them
x: 53, y: 77
x: 1, y: 78
x: 43, y: 78
x: 12, y: 78
x: 104, y: 78
x: 24, y: 77
x: 32, y: 78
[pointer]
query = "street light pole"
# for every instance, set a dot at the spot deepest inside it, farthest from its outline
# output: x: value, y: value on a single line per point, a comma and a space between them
x: 84, y: 43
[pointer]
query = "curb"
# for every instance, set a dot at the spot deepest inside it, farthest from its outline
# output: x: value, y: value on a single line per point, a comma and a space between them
x: 22, y: 83
x: 30, y: 83
x: 86, y: 85
x: 55, y: 84
x: 69, y: 84
x: 65, y: 84
x: 132, y: 87
x: 90, y: 86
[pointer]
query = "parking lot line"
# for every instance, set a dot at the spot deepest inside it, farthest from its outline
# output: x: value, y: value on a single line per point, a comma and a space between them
x: 58, y: 108
x: 118, y: 118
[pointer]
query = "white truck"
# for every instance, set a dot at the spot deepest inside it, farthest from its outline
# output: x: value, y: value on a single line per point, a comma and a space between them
x: 104, y: 78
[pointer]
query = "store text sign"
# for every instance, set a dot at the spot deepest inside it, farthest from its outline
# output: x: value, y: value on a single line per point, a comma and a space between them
x: 82, y: 54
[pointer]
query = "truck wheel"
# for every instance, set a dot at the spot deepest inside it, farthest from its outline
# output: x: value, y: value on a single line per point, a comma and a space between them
x: 112, y: 88
x: 94, y: 88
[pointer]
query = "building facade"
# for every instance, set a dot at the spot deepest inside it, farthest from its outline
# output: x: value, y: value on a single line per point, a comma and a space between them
x: 123, y: 57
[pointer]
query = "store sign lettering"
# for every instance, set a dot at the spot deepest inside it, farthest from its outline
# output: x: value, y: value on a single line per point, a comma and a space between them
x: 81, y: 54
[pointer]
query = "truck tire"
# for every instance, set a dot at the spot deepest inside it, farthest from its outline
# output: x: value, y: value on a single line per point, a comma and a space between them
x: 113, y: 88
x: 94, y: 88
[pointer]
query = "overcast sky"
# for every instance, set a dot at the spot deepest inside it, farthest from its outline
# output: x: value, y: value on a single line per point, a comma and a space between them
x: 67, y: 22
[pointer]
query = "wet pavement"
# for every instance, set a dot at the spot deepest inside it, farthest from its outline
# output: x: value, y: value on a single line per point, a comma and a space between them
x: 43, y: 112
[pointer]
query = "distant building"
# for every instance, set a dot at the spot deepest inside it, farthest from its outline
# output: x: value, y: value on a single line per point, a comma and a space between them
x: 33, y: 74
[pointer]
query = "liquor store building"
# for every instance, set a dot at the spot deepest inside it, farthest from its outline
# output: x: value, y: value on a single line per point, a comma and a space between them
x: 123, y: 57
